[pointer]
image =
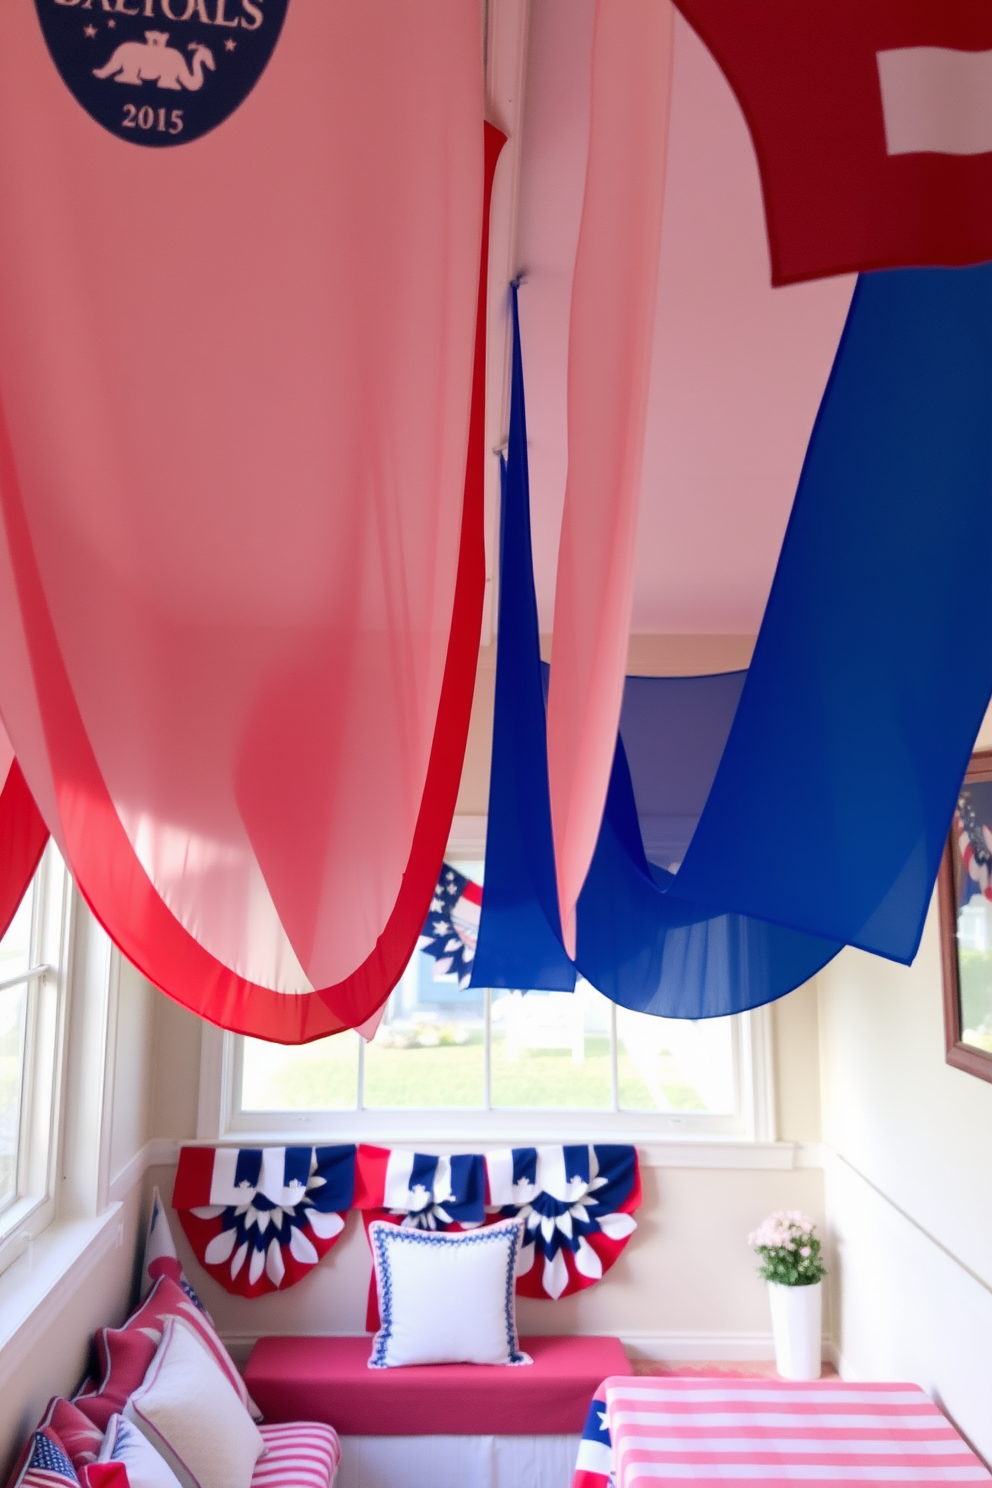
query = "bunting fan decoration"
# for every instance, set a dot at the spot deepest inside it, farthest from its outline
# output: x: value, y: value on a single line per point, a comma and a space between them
x: 451, y: 929
x: 577, y: 1203
x: 259, y: 1219
x: 421, y: 1191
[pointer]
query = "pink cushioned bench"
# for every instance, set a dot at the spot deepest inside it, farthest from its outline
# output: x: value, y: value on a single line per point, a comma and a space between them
x: 328, y: 1379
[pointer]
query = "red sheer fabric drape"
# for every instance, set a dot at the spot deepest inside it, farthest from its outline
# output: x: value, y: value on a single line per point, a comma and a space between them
x: 241, y: 567
x: 23, y: 835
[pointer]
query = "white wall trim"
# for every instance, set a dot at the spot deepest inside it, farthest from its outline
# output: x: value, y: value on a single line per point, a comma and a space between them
x: 160, y: 1152
x: 695, y: 1152
x: 467, y: 838
x: 830, y: 1157
x: 698, y: 1344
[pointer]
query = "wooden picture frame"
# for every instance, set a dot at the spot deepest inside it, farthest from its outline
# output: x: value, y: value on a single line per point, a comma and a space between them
x: 963, y: 1056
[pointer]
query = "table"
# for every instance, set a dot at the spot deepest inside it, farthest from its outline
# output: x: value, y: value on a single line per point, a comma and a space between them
x: 699, y: 1432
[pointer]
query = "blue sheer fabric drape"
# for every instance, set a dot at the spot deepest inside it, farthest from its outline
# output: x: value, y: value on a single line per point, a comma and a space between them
x: 519, y: 930
x: 757, y: 822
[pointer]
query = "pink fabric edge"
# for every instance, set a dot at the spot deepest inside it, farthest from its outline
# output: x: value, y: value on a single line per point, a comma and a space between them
x: 609, y: 364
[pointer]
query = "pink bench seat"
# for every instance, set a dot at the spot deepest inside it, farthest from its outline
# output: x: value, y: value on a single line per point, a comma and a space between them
x: 328, y: 1379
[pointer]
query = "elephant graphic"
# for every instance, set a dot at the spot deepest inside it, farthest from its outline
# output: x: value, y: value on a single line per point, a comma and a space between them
x: 152, y: 61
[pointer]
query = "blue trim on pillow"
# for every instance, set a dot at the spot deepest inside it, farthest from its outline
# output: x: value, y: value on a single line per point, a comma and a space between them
x: 382, y: 1234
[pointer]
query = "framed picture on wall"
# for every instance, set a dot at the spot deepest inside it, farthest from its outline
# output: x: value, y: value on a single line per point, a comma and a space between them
x: 965, y: 897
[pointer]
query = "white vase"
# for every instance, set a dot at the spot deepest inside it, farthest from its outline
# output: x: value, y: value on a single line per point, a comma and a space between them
x: 797, y: 1322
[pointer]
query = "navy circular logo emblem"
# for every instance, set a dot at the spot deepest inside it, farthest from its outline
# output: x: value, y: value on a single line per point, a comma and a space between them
x: 160, y: 72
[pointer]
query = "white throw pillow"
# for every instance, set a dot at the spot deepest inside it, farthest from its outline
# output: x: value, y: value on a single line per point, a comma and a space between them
x: 146, y: 1468
x: 191, y: 1414
x: 446, y: 1298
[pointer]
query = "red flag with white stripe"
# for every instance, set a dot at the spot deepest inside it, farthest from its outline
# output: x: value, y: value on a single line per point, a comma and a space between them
x: 872, y: 123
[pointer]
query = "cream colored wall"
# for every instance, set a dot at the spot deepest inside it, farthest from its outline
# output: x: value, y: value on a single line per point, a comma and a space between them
x: 176, y: 1084
x: 907, y: 1187
x: 795, y: 1035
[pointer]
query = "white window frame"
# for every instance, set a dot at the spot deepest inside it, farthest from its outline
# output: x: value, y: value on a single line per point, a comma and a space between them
x: 43, y: 1076
x: 752, y: 1122
x: 220, y: 1116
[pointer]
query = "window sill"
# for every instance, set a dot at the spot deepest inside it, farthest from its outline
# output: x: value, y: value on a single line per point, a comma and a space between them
x: 25, y: 1219
x: 35, y: 1287
x: 700, y: 1151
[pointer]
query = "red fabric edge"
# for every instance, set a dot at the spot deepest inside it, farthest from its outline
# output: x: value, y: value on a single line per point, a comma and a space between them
x: 23, y: 836
x: 370, y: 1176
x: 102, y: 860
x: 193, y: 1177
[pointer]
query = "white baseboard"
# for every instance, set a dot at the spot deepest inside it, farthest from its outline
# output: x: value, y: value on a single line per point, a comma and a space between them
x: 834, y: 1356
x: 691, y: 1346
x: 716, y: 1348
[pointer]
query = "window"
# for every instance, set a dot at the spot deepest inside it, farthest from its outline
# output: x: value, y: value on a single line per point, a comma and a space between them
x: 505, y: 1062
x: 32, y: 960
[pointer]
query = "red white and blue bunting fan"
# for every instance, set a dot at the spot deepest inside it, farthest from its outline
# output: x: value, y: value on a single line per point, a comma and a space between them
x: 451, y: 930
x: 259, y: 1219
x: 420, y: 1190
x: 577, y: 1203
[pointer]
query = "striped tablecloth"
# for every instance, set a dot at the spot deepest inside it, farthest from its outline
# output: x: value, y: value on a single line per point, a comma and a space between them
x: 703, y: 1431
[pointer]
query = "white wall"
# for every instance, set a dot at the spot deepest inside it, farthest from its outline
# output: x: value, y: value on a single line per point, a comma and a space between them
x: 908, y: 1191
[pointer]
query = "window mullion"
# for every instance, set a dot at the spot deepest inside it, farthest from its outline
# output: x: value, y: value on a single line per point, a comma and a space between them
x: 33, y: 974
x: 487, y: 1044
x: 614, y: 1075
x: 361, y: 1074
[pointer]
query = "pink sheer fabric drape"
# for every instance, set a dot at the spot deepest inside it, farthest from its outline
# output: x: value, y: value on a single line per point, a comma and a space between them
x: 609, y: 361
x: 235, y: 386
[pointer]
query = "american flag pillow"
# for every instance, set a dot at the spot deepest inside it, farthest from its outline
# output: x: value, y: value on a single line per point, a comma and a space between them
x: 47, y: 1465
x: 76, y: 1433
